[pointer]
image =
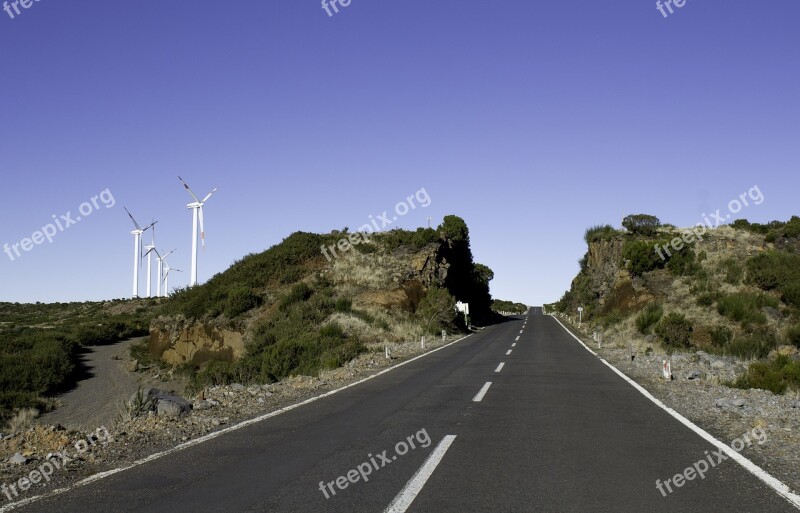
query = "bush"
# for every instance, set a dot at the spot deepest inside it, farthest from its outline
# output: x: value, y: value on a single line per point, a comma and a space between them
x: 241, y: 300
x: 599, y: 232
x: 641, y: 224
x: 777, y: 376
x: 300, y: 292
x: 642, y: 256
x: 777, y: 270
x: 343, y: 305
x: 675, y: 330
x: 437, y: 309
x: 721, y: 336
x: 682, y: 263
x: 649, y: 317
x: 733, y: 271
x: 745, y: 308
x: 755, y: 343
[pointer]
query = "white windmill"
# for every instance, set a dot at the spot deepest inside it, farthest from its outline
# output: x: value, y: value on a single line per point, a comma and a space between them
x: 137, y: 244
x: 149, y: 254
x: 197, y: 208
x: 161, y: 260
x: 167, y: 270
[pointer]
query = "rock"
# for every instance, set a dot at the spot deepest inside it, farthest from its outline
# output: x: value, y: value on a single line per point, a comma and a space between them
x: 168, y: 409
x: 738, y: 403
x: 133, y: 366
x: 734, y: 403
x: 237, y: 387
x: 771, y: 312
x: 18, y: 459
x: 796, y: 404
x: 202, y: 405
x: 787, y: 350
x: 693, y: 376
x: 719, y: 364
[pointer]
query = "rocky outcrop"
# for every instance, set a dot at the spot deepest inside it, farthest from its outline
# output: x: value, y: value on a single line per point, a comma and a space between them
x: 178, y: 341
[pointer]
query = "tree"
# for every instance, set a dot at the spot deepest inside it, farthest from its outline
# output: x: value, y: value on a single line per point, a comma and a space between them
x: 437, y: 309
x: 641, y: 224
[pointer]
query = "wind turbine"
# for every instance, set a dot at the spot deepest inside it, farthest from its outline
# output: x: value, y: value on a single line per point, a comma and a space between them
x: 161, y: 260
x: 167, y: 269
x: 137, y: 243
x: 197, y: 207
x: 150, y: 248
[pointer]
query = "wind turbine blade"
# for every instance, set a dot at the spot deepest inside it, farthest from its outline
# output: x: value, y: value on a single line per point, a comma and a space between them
x: 188, y: 190
x: 132, y: 219
x: 151, y: 225
x: 209, y: 194
x: 202, y: 229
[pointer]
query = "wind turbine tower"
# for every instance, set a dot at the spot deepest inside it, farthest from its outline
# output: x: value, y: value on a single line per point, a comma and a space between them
x: 197, y: 216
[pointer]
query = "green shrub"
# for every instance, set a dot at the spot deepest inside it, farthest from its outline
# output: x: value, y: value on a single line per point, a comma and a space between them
x: 343, y: 305
x: 777, y: 270
x: 675, y: 330
x: 793, y: 335
x: 745, y: 308
x: 733, y: 271
x: 641, y: 224
x: 649, y: 317
x: 642, y: 256
x: 777, y: 376
x: 299, y: 292
x: 599, y: 233
x: 683, y: 263
x: 721, y: 336
x: 756, y: 343
x: 241, y: 300
x: 436, y: 310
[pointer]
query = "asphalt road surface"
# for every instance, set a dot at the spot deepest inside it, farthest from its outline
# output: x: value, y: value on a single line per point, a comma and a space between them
x: 512, y: 419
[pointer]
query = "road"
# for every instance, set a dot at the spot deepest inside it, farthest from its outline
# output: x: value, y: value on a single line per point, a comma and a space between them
x: 555, y: 431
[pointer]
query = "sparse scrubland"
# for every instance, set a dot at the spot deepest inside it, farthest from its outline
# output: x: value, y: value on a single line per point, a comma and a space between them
x: 731, y: 291
x: 287, y: 311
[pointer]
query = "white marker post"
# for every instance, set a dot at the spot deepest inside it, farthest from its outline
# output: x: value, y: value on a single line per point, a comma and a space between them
x: 580, y: 315
x: 667, y: 368
x: 423, y: 342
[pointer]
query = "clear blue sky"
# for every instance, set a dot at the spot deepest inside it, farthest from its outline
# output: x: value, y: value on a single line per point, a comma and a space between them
x: 531, y: 120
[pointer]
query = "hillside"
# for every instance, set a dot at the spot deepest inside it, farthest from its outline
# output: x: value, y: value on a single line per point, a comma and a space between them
x: 732, y: 291
x: 307, y: 304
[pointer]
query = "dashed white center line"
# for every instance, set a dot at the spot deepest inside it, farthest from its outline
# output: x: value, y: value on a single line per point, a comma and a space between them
x: 500, y: 367
x: 514, y: 344
x: 517, y: 339
x: 520, y: 332
x: 508, y: 352
x: 478, y: 398
x: 410, y: 491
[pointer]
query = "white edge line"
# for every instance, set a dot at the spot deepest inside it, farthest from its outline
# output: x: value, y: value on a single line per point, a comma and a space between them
x: 774, y: 483
x: 410, y: 491
x: 211, y: 436
x: 479, y: 396
x: 500, y: 367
